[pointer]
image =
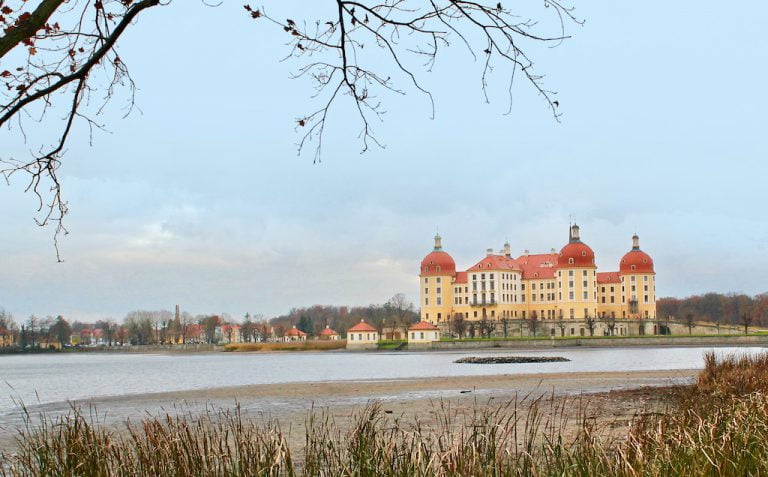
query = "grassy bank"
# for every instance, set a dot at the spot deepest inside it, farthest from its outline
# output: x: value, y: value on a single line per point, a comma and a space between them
x: 311, y: 345
x: 717, y: 426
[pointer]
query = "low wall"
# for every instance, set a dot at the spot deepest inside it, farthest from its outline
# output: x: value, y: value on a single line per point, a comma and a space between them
x: 606, y: 342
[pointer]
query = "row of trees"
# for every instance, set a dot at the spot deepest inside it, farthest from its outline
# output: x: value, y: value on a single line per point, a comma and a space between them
x: 726, y: 309
x: 396, y: 312
x: 485, y: 327
x: 144, y: 327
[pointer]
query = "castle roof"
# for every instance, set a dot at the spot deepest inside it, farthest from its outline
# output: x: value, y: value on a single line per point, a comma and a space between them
x: 541, y: 265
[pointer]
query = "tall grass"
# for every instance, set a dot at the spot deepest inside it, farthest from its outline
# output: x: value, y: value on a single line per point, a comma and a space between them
x: 718, y: 427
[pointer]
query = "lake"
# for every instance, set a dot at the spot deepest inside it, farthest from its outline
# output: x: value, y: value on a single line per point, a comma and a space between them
x: 51, y: 378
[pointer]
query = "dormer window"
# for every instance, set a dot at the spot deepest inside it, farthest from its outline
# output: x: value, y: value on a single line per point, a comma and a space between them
x: 583, y: 253
x: 437, y: 268
x: 570, y: 261
x: 632, y: 267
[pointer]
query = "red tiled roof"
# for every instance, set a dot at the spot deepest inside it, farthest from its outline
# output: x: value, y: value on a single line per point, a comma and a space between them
x: 496, y: 262
x: 608, y: 277
x: 461, y: 277
x: 423, y: 326
x: 642, y: 262
x: 541, y: 265
x: 438, y: 258
x: 295, y: 332
x: 582, y: 256
x: 328, y: 331
x: 362, y: 326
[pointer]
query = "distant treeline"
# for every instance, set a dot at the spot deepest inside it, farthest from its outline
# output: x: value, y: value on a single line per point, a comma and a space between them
x: 396, y: 312
x: 716, y: 307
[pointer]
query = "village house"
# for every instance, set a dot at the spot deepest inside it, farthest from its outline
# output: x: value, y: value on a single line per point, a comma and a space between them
x: 329, y: 334
x: 423, y: 334
x: 362, y: 336
x: 294, y: 334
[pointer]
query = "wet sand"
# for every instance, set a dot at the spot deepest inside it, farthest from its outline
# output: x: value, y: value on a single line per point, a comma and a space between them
x: 613, y: 397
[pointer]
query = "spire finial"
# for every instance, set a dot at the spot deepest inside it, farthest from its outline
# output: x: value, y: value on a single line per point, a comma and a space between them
x: 635, y: 242
x: 438, y: 243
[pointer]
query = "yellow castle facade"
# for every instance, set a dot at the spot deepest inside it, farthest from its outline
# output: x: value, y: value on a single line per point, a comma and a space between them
x: 552, y: 289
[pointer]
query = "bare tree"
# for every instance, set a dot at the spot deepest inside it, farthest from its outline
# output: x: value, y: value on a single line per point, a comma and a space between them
x: 62, y: 56
x: 561, y: 325
x: 746, y: 320
x: 401, y: 310
x: 459, y: 325
x: 533, y: 323
x: 689, y: 321
x: 505, y: 326
x: 610, y: 323
x: 487, y: 327
x: 589, y: 321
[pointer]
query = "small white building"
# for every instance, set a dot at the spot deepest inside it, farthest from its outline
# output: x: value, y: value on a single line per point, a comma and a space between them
x: 362, y: 336
x: 422, y: 333
x: 294, y: 334
x: 329, y: 333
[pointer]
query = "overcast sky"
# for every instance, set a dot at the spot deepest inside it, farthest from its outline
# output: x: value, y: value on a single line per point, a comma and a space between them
x: 200, y: 199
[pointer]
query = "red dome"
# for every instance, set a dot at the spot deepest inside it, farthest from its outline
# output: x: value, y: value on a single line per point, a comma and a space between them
x: 576, y: 255
x: 438, y: 263
x: 636, y: 261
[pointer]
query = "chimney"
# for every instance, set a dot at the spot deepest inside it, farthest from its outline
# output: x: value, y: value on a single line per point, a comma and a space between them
x: 552, y: 250
x: 526, y: 252
x: 489, y: 251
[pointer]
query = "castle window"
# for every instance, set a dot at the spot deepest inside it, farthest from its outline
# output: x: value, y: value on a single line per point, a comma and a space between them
x: 570, y: 273
x: 632, y: 267
x: 438, y: 278
x: 570, y: 261
x: 426, y: 279
x: 437, y: 268
x: 583, y: 253
x: 430, y: 262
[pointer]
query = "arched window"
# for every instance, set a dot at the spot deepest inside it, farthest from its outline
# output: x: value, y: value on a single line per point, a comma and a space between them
x: 570, y: 261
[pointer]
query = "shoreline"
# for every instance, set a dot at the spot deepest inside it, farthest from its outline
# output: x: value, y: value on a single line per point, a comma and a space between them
x: 513, y: 344
x: 614, y: 395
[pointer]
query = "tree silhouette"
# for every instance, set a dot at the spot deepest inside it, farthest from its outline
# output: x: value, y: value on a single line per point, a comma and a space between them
x: 61, y: 55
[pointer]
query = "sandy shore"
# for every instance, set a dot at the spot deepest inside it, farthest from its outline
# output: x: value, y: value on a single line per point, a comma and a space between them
x: 613, y: 396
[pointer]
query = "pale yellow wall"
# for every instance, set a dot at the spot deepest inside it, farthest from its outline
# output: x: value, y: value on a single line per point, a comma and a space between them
x: 577, y: 291
x: 435, y: 297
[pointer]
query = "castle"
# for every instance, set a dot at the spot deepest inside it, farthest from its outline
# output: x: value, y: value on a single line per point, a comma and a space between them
x: 559, y: 294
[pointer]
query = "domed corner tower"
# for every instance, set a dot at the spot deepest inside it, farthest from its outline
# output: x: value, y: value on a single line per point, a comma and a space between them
x: 436, y: 284
x: 576, y: 278
x: 638, y: 283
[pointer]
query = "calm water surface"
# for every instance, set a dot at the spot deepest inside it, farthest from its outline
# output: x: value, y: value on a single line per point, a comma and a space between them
x: 53, y: 378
